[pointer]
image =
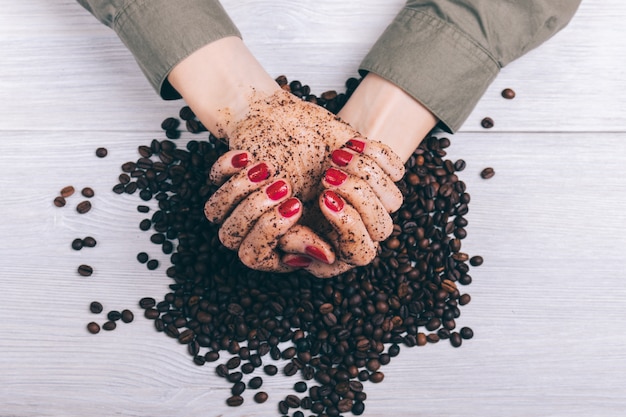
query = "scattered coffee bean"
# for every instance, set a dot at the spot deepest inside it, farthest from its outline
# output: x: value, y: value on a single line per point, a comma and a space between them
x: 508, y: 93
x: 270, y: 370
x: 101, y: 152
x: 85, y: 270
x: 83, y: 207
x: 142, y: 257
x: 127, y: 316
x: 114, y: 315
x: 487, y: 123
x: 87, y: 192
x: 238, y: 388
x: 260, y: 397
x: 59, y: 201
x: 93, y: 327
x: 67, y: 191
x: 147, y: 302
x: 89, y: 242
x: 300, y: 386
x: 152, y: 264
x: 109, y: 325
x: 466, y: 333
x: 255, y: 383
x: 234, y: 401
x: 476, y: 260
x: 95, y: 307
x: 77, y: 244
x: 487, y: 173
x: 143, y: 209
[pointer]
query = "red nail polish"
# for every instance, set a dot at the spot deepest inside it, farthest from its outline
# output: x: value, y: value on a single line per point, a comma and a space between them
x: 356, y: 145
x: 317, y: 253
x: 333, y: 201
x: 277, y: 190
x: 289, y: 207
x: 335, y: 177
x: 259, y: 172
x: 341, y: 157
x: 298, y: 261
x: 240, y: 160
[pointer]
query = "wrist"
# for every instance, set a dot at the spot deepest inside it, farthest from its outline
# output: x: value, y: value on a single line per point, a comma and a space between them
x: 382, y: 111
x: 218, y: 82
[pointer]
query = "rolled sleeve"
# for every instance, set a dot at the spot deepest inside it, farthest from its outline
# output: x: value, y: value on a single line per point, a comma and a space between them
x: 161, y: 33
x: 446, y: 53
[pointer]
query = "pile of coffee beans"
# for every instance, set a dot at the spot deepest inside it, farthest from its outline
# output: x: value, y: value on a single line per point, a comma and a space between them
x: 334, y: 334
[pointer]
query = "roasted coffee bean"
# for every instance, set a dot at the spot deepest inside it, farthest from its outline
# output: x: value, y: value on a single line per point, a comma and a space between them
x: 377, y: 377
x: 87, y: 192
x: 147, y: 302
x: 93, y: 327
x: 109, y: 325
x: 118, y: 188
x: 466, y: 333
x: 143, y: 209
x: 238, y: 388
x: 260, y: 397
x: 77, y: 244
x: 255, y: 383
x: 487, y: 173
x: 85, y: 270
x: 67, y: 191
x: 152, y: 264
x: 145, y: 224
x: 170, y: 123
x: 114, y: 315
x: 235, y: 377
x: 101, y: 152
x: 300, y: 386
x: 270, y: 370
x: 358, y: 408
x: 283, y: 408
x: 508, y: 93
x: 234, y: 401
x: 186, y: 113
x: 142, y: 257
x: 292, y: 401
x: 127, y: 316
x: 95, y: 307
x: 487, y: 123
x: 83, y: 207
x: 233, y: 362
x: 476, y: 260
x: 212, y: 356
x: 59, y: 201
x: 89, y: 242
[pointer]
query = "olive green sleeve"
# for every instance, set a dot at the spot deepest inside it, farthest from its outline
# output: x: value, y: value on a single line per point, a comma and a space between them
x: 161, y: 33
x: 445, y: 53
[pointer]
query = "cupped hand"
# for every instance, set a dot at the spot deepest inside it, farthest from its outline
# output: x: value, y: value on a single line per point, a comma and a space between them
x: 284, y: 151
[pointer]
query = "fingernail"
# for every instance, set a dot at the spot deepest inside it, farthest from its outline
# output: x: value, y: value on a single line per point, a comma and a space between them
x: 277, y: 190
x: 341, y: 157
x: 317, y: 253
x: 289, y: 207
x: 298, y: 261
x: 333, y: 201
x: 240, y: 160
x: 335, y: 177
x: 259, y: 172
x: 356, y: 145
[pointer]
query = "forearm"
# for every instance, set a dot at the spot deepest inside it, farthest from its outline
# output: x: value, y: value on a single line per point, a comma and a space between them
x: 382, y: 111
x: 218, y: 82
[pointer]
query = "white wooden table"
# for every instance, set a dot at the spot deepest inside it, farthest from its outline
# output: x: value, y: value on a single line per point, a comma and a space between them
x: 548, y: 304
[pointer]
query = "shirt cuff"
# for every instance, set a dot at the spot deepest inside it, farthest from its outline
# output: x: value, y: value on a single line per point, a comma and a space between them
x: 434, y: 62
x: 161, y: 33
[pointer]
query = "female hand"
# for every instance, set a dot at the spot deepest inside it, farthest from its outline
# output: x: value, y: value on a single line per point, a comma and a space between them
x: 290, y: 145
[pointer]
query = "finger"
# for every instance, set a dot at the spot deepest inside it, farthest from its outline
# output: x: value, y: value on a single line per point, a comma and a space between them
x: 258, y: 249
x: 363, y: 167
x: 360, y: 196
x: 354, y: 243
x: 228, y: 165
x: 302, y: 240
x: 381, y: 154
x: 245, y: 215
x: 236, y: 189
x: 316, y: 268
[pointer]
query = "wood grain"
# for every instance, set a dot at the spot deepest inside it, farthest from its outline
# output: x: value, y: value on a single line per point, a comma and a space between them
x: 547, y: 305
